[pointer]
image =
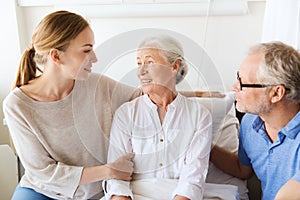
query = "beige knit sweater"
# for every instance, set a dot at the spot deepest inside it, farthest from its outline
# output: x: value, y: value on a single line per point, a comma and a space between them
x: 55, y: 140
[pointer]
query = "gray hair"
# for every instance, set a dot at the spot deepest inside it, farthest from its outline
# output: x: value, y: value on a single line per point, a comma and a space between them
x: 280, y: 66
x: 169, y: 48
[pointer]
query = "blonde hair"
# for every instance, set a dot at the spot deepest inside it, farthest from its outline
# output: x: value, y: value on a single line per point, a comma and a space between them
x: 171, y: 49
x: 56, y: 30
x: 280, y: 65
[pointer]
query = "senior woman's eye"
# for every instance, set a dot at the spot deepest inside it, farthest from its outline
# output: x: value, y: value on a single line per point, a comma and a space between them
x: 149, y: 62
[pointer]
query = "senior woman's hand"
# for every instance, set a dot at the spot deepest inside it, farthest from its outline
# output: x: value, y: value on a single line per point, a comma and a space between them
x: 178, y: 197
x: 209, y: 94
x: 215, y: 94
x: 114, y: 197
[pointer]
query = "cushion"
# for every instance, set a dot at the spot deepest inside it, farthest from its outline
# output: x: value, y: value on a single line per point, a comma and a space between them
x: 228, y: 139
x: 219, y: 108
x: 225, y: 134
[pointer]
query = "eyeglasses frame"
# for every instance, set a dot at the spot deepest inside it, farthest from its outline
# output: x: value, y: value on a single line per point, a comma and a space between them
x: 252, y: 85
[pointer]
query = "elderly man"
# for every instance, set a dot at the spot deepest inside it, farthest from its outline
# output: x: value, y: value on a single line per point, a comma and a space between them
x: 268, y: 90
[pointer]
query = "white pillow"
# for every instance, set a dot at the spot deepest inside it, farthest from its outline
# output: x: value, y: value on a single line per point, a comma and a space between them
x: 219, y: 108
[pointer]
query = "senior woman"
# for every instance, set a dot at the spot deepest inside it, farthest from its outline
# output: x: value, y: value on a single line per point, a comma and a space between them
x: 169, y: 134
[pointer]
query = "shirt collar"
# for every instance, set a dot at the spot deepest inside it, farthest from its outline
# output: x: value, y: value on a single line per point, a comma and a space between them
x: 173, y: 104
x: 258, y: 124
x: 291, y: 130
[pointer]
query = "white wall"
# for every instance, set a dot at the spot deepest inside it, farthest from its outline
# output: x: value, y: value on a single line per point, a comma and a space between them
x: 9, y: 55
x: 224, y: 38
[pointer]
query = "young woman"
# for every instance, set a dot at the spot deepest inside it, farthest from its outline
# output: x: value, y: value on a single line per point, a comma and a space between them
x: 58, y: 119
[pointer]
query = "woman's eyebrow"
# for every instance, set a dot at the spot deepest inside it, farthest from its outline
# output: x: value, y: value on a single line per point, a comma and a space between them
x: 145, y: 57
x: 89, y: 45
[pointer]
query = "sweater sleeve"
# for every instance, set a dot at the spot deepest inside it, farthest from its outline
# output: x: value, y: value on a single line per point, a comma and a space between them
x: 118, y: 92
x: 41, y: 170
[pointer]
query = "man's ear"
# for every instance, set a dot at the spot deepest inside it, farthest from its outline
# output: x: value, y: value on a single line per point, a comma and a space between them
x: 55, y: 55
x: 277, y: 93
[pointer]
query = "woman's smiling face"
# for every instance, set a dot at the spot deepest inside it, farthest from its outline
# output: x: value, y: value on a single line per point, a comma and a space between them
x: 154, y: 71
x: 79, y: 56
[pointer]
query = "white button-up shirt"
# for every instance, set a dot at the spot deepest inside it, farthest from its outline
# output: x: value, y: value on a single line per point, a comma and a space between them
x: 177, y: 148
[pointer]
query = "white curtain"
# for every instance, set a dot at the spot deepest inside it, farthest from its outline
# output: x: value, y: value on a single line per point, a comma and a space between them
x: 282, y: 22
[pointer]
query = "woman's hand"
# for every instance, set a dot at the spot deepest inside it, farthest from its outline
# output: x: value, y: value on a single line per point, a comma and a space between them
x: 122, y: 168
x: 212, y: 94
x: 207, y: 94
x: 290, y: 190
x: 114, y: 197
x: 178, y: 197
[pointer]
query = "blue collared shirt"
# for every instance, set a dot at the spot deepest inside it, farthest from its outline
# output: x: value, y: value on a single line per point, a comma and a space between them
x: 274, y: 163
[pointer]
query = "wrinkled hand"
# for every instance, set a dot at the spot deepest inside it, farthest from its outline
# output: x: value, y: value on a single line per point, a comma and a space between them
x: 119, y: 198
x: 212, y: 94
x: 179, y: 197
x: 122, y: 168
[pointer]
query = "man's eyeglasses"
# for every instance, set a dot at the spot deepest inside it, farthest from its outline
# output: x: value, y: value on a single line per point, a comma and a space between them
x: 250, y: 85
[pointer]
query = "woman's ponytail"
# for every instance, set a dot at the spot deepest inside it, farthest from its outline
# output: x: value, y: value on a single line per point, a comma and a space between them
x: 27, y: 68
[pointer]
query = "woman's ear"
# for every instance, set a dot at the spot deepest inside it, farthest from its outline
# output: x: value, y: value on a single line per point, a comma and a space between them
x: 55, y: 55
x: 277, y: 93
x: 176, y: 65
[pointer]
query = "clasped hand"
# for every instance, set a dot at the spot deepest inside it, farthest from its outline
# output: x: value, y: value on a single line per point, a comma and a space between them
x: 122, y: 168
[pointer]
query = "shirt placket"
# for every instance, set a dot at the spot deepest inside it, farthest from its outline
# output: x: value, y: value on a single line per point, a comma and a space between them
x: 164, y: 138
x: 159, y: 143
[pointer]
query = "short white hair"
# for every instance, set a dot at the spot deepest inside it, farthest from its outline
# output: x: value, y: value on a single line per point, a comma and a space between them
x: 170, y: 48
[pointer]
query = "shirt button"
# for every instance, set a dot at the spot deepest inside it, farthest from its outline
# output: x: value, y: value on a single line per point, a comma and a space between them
x: 160, y: 164
x: 161, y: 140
x: 271, y: 151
